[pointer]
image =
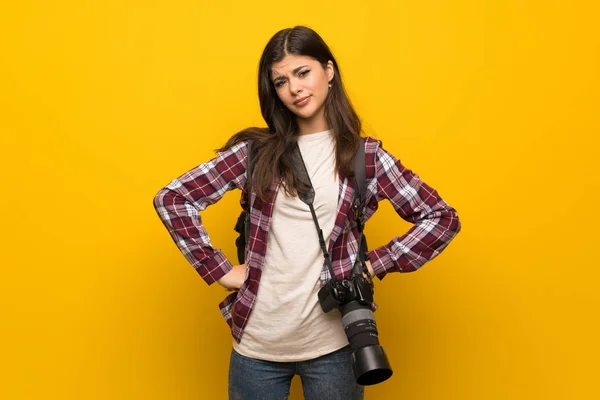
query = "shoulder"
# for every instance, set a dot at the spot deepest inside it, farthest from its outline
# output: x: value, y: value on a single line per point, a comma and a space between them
x: 240, y: 148
x: 229, y: 163
x: 371, y: 144
x: 374, y: 149
x: 380, y: 160
x: 236, y: 154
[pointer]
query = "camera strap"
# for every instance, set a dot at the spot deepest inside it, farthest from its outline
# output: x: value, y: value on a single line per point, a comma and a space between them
x: 357, y: 207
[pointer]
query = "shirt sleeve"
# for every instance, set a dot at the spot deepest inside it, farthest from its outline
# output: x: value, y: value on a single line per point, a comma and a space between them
x: 178, y: 205
x: 435, y: 222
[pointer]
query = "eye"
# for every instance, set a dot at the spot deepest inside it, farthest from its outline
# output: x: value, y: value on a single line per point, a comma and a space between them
x: 303, y: 73
x: 279, y: 83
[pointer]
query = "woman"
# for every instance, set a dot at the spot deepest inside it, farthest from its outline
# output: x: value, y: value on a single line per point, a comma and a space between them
x: 278, y: 327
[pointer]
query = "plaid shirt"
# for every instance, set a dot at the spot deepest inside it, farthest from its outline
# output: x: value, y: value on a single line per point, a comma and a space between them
x: 179, y: 203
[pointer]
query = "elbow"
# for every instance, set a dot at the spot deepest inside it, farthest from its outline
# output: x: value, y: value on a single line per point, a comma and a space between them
x: 454, y: 225
x: 159, y: 198
x: 447, y: 219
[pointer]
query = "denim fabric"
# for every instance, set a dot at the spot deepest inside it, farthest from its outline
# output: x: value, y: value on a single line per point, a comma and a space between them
x: 329, y: 377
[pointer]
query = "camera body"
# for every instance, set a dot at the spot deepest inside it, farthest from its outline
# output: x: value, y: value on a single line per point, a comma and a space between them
x: 336, y: 293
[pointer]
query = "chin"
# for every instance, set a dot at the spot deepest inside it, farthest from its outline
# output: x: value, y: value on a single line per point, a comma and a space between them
x: 306, y: 114
x: 302, y: 114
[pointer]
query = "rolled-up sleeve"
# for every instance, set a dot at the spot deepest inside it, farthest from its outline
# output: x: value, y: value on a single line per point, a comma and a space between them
x: 435, y: 222
x: 178, y: 205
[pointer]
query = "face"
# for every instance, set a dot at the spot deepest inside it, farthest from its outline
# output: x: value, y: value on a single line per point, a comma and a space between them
x: 302, y: 84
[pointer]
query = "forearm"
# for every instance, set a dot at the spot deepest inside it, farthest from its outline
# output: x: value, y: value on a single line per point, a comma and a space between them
x: 422, y: 243
x: 178, y: 205
x: 184, y: 224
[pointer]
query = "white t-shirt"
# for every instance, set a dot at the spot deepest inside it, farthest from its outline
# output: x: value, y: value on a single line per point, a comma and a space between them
x: 287, y: 322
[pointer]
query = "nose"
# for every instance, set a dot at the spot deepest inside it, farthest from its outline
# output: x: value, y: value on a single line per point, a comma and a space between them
x: 295, y: 86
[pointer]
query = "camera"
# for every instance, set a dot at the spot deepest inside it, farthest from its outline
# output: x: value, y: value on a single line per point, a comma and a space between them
x: 354, y: 298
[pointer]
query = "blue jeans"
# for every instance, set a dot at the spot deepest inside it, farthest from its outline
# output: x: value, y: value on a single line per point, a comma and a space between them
x: 327, y: 377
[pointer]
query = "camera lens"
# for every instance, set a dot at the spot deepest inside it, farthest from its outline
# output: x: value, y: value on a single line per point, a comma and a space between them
x: 370, y: 362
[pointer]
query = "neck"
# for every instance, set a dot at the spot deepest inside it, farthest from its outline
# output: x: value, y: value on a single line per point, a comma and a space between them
x: 312, y: 125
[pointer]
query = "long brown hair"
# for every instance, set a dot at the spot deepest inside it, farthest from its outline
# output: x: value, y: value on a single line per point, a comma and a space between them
x: 272, y: 146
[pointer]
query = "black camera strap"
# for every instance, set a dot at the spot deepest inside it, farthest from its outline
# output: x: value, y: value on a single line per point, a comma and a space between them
x: 357, y: 208
x: 308, y: 198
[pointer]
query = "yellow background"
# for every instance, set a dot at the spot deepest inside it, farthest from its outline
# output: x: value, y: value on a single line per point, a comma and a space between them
x: 494, y: 103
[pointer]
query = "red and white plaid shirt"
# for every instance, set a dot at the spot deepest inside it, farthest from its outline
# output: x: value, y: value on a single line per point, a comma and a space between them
x: 178, y: 205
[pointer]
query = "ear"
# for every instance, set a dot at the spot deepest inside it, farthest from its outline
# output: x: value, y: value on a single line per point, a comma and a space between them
x: 329, y: 70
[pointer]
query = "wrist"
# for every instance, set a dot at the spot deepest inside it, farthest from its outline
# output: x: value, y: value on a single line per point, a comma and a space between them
x: 370, y: 267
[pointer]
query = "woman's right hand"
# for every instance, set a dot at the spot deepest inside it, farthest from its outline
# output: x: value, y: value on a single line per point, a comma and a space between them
x: 234, y: 279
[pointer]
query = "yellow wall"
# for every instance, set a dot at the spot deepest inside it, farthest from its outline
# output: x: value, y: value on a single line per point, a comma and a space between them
x: 494, y: 103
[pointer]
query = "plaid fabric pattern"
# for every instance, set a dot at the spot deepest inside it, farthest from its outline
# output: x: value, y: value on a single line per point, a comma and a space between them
x: 178, y: 205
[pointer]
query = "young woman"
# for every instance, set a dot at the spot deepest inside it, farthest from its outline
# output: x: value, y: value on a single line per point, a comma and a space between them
x: 277, y: 324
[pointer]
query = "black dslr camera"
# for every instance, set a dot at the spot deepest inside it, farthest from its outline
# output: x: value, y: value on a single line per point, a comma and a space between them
x: 354, y: 298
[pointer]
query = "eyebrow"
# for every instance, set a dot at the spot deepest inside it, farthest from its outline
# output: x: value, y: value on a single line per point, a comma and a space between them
x: 295, y: 71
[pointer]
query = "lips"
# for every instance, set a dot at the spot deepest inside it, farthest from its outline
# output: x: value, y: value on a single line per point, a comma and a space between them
x: 301, y: 101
